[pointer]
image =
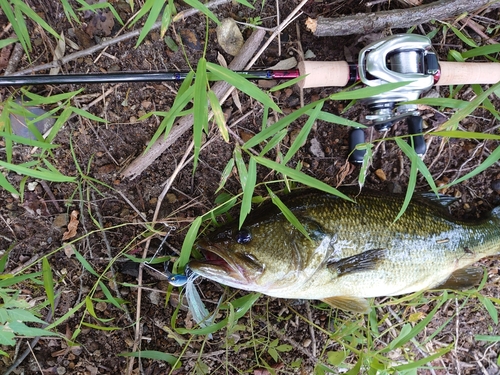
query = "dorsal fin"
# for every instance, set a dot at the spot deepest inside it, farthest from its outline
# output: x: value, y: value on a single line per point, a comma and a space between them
x: 443, y: 200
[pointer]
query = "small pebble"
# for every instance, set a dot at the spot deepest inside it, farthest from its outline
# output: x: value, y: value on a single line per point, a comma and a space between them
x: 495, y: 185
x: 381, y: 175
x: 306, y: 343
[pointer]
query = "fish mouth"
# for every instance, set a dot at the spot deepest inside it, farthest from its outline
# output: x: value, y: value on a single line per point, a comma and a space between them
x: 220, y: 265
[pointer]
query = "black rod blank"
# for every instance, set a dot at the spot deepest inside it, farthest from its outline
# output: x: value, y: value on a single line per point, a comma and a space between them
x: 126, y: 77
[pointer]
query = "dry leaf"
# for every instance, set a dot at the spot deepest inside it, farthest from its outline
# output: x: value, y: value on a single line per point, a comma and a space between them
x: 69, y: 249
x: 59, y: 53
x: 101, y: 23
x: 72, y: 226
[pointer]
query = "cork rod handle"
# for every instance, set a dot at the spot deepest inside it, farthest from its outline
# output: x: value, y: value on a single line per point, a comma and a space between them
x: 463, y: 73
x: 323, y: 73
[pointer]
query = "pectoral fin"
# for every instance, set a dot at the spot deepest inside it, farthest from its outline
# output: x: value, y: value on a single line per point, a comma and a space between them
x: 354, y: 304
x: 364, y: 261
x: 463, y: 278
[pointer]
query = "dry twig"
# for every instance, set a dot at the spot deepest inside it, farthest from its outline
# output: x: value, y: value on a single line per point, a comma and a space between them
x: 363, y: 23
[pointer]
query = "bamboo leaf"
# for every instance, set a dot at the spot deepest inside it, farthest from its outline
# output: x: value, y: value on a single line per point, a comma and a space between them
x: 488, y: 162
x: 200, y: 108
x: 277, y: 126
x: 303, y: 134
x: 203, y: 9
x: 228, y: 169
x: 152, y: 354
x: 241, y: 167
x: 187, y: 245
x: 220, y: 120
x: 101, y: 328
x: 42, y: 174
x: 288, y: 214
x: 300, y: 177
x: 153, y: 7
x: 48, y: 282
x: 241, y: 84
x: 467, y: 110
x: 246, y: 203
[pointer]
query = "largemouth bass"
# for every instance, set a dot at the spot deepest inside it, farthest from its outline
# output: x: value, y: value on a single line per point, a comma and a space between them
x: 355, y: 251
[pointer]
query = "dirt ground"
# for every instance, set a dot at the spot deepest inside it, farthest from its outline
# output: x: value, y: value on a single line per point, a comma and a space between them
x: 35, y: 227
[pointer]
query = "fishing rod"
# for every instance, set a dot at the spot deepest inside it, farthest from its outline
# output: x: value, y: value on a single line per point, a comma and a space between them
x: 129, y: 77
x: 397, y: 58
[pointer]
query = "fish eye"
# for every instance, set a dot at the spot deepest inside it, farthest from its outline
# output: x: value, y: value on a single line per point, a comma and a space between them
x: 243, y: 236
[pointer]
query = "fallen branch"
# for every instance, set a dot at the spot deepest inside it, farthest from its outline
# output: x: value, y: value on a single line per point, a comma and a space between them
x: 362, y: 23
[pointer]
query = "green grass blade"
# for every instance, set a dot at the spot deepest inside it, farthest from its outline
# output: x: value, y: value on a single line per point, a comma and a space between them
x: 19, y: 26
x: 286, y: 84
x: 424, y: 361
x: 8, y: 280
x: 303, y: 134
x: 42, y: 174
x: 203, y: 9
x: 288, y: 214
x: 246, y: 203
x: 241, y: 167
x: 166, y: 125
x: 71, y: 312
x: 300, y: 177
x: 482, y: 51
x: 153, y: 7
x: 187, y: 245
x: 334, y: 119
x: 275, y: 140
x: 37, y: 100
x: 85, y: 264
x: 48, y: 282
x: 28, y: 141
x: 101, y: 328
x: 69, y: 12
x: 152, y: 354
x: 200, y: 108
x: 277, y: 126
x: 109, y: 296
x: 368, y: 147
x: 465, y: 135
x: 488, y: 162
x: 454, y: 120
x: 86, y: 114
x: 412, y: 181
x: 440, y: 102
x: 245, y: 3
x: 242, y: 84
x: 228, y: 169
x: 463, y: 37
x: 4, y: 183
x: 487, y: 338
x: 220, y: 120
x: 367, y: 92
x: 30, y: 13
x: 6, y: 42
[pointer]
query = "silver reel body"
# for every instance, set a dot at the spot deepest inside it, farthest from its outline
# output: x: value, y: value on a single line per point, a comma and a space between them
x: 398, y: 58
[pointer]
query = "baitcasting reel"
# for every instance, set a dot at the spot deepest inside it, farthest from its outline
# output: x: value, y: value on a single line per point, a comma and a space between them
x: 398, y: 58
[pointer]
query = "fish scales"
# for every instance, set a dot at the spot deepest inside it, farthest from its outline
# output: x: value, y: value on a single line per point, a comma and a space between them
x: 356, y: 250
